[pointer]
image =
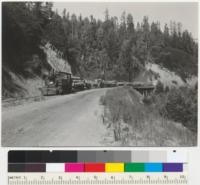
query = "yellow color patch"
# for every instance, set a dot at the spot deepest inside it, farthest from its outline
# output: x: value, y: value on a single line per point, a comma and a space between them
x: 114, y: 167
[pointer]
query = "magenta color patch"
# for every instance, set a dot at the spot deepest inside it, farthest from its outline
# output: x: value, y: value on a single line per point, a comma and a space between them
x: 74, y: 167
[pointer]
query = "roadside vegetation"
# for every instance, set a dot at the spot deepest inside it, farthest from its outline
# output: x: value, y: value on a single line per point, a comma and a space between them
x: 178, y: 104
x: 163, y: 119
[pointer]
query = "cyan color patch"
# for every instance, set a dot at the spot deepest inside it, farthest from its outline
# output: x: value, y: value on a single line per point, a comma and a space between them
x: 153, y: 167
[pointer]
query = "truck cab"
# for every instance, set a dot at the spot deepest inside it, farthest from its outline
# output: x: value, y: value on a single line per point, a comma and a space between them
x: 58, y: 83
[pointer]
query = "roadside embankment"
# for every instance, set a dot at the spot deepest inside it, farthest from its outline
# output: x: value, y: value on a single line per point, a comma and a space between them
x: 135, y: 123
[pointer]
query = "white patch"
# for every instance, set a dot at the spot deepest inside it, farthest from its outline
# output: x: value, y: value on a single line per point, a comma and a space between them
x: 167, y: 77
x: 55, y: 167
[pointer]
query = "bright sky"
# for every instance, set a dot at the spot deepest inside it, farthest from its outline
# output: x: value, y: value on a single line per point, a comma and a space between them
x: 184, y: 12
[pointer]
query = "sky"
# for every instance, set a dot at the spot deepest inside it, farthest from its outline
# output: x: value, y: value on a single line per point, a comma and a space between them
x: 184, y: 12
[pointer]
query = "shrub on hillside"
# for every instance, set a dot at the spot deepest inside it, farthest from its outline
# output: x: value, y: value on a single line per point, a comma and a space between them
x: 167, y: 89
x: 159, y: 87
x: 181, y: 106
x: 177, y: 60
x: 148, y: 100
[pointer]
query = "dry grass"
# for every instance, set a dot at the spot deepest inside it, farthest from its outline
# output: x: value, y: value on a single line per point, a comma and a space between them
x: 136, y: 124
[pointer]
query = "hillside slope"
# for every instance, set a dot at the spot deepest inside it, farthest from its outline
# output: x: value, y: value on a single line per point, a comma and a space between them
x: 17, y: 85
x: 154, y: 73
x: 167, y: 77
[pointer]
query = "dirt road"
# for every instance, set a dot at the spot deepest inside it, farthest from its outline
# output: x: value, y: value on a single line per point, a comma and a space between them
x: 69, y: 120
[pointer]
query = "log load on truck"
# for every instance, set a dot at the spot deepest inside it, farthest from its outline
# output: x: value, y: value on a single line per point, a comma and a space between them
x: 77, y: 84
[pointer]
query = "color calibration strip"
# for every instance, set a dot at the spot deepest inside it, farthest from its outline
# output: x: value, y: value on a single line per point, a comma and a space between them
x: 96, y: 167
x: 97, y: 161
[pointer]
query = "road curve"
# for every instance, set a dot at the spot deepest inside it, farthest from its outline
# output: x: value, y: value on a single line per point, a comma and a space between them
x: 69, y: 120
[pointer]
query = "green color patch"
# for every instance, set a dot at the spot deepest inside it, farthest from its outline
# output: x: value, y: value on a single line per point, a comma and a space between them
x: 134, y: 167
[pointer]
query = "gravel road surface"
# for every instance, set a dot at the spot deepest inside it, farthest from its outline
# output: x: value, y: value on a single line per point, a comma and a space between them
x: 68, y: 120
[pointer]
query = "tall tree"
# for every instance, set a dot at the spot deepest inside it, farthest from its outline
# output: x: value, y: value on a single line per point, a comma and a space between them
x: 130, y: 25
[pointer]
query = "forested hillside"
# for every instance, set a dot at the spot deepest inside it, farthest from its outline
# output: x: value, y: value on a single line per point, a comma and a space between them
x: 108, y: 49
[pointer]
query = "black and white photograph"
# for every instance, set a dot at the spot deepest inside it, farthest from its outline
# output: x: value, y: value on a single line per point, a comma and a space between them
x: 99, y: 74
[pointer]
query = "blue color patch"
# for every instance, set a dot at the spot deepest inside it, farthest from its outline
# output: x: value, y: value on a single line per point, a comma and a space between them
x: 153, y: 167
